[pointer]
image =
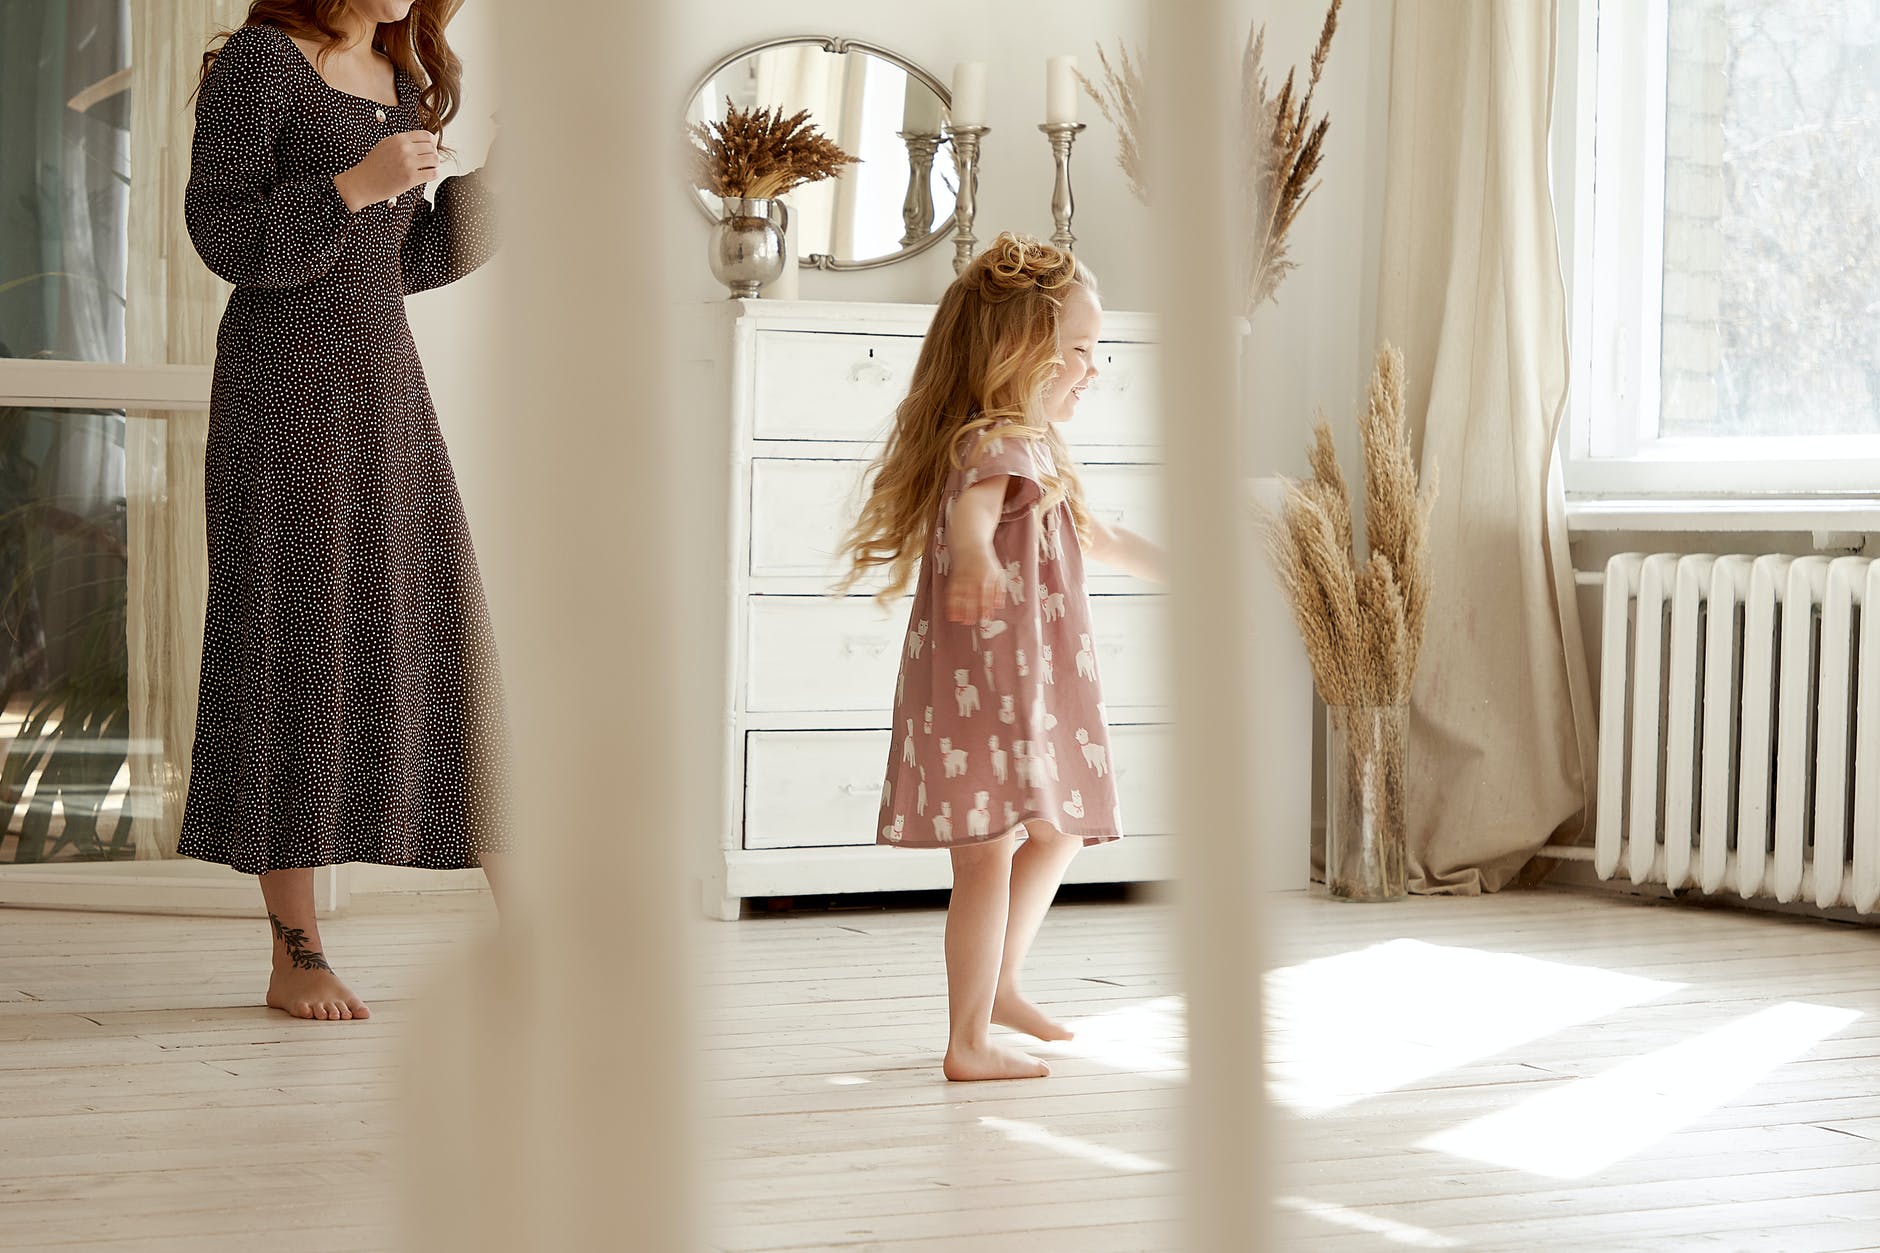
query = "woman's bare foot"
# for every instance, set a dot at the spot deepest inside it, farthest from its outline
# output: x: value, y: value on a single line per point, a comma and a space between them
x: 314, y: 993
x: 1009, y: 1009
x: 990, y: 1061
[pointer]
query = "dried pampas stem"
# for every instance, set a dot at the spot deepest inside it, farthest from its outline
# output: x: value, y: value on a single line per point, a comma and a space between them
x: 1362, y: 625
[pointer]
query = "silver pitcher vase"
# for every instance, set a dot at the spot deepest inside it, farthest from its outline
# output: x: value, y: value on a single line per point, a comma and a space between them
x: 747, y: 246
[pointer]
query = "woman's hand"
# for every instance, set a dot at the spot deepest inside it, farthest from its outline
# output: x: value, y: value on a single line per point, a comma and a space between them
x: 396, y: 164
x: 975, y: 586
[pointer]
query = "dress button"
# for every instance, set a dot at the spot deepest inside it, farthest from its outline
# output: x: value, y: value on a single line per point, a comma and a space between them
x: 379, y: 114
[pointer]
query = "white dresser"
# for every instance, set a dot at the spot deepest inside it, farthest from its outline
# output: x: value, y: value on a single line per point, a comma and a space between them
x: 807, y: 390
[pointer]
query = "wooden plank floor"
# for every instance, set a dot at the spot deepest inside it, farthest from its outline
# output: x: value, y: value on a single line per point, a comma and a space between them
x: 1534, y: 1070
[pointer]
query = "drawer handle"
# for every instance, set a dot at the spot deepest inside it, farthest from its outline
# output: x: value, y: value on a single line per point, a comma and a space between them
x: 870, y: 372
x: 873, y: 645
x: 861, y: 789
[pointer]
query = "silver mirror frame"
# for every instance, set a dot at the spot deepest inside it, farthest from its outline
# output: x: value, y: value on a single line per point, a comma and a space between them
x: 838, y: 45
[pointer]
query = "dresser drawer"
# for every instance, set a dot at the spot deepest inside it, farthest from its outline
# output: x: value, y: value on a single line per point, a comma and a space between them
x: 811, y: 653
x: 1145, y: 779
x: 1122, y: 407
x: 823, y: 386
x: 1131, y: 645
x: 802, y: 509
x: 812, y: 789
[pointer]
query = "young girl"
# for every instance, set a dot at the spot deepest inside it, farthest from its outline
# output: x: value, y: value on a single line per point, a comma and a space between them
x: 1000, y: 753
x: 351, y: 704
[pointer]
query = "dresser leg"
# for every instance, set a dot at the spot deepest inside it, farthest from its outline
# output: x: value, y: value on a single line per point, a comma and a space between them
x: 717, y: 905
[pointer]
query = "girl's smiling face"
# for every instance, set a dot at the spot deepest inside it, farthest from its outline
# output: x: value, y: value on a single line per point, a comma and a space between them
x: 1080, y: 321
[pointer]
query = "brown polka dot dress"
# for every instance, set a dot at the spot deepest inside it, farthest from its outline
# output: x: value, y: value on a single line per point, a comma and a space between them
x: 1002, y: 722
x: 351, y: 707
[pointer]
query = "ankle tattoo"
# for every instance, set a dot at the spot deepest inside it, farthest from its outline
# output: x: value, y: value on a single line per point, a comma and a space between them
x: 295, y: 940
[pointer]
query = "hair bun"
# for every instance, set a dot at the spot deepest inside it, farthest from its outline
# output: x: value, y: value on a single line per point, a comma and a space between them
x: 1013, y: 263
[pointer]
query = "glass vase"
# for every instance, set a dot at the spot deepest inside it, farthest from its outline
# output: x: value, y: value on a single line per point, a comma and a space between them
x: 1365, y: 838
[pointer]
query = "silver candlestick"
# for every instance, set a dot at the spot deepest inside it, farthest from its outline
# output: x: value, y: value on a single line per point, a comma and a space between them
x: 965, y: 201
x: 917, y: 207
x: 1062, y: 135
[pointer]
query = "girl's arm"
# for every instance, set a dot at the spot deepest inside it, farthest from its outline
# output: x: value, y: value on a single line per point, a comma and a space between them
x: 1126, y: 552
x: 976, y: 583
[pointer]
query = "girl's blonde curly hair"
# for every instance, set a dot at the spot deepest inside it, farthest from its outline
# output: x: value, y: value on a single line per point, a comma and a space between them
x: 989, y: 357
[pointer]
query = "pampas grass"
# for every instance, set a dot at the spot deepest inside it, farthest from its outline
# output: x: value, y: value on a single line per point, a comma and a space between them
x: 1362, y: 623
x: 1120, y: 101
x: 755, y: 154
x: 1283, y: 145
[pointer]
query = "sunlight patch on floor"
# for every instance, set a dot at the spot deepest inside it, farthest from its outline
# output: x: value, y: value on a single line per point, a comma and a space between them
x: 1573, y: 1130
x: 1358, y: 1220
x: 1071, y: 1146
x: 1147, y: 1038
x: 1347, y: 1027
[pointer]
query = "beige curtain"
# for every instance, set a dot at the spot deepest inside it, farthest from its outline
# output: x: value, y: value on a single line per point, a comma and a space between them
x: 173, y: 303
x: 1471, y: 288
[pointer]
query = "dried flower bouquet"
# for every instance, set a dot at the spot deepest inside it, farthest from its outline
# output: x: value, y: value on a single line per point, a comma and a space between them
x: 757, y: 154
x: 1362, y: 623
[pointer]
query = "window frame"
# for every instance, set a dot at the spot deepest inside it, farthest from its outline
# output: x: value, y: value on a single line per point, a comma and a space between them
x: 1612, y: 248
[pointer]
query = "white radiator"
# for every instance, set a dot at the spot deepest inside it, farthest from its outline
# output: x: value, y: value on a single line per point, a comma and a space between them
x: 1739, y: 726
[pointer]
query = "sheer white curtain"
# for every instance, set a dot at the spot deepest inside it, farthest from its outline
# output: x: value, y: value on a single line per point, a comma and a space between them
x: 1503, y: 724
x: 172, y: 306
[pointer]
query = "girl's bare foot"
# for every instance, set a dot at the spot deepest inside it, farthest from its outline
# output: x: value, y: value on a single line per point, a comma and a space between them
x: 965, y: 1064
x: 1009, y: 1009
x: 314, y: 993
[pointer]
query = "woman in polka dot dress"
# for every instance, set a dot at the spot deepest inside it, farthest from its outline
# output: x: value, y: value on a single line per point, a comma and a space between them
x: 1000, y: 752
x: 351, y: 707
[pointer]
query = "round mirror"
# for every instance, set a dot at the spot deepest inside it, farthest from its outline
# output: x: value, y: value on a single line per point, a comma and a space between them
x: 875, y: 105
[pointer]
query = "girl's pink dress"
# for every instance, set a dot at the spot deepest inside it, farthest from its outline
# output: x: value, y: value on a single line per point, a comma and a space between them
x: 1002, y: 722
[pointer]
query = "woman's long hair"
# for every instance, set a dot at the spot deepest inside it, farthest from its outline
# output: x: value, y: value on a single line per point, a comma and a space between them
x: 988, y: 359
x: 415, y: 45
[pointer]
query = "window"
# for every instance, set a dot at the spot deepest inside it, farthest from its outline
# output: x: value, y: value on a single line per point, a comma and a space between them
x: 1720, y: 206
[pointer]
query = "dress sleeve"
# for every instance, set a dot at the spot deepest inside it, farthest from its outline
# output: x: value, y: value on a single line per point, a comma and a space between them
x: 252, y: 227
x: 991, y: 453
x: 449, y: 239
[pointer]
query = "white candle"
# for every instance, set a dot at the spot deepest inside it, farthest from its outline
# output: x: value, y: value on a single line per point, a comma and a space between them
x: 969, y: 93
x: 920, y: 109
x: 1060, y: 89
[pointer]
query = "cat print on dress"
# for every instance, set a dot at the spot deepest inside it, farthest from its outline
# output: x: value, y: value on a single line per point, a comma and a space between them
x: 998, y: 759
x: 1086, y: 660
x: 899, y: 830
x: 954, y: 759
x: 1024, y: 764
x: 920, y: 796
x: 1024, y: 665
x: 1075, y: 805
x: 1096, y: 756
x: 907, y: 745
x: 993, y: 628
x: 943, y: 823
x: 1045, y: 674
x: 1008, y: 714
x: 942, y: 555
x: 917, y: 639
x: 927, y: 725
x: 1053, y: 606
